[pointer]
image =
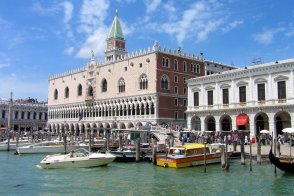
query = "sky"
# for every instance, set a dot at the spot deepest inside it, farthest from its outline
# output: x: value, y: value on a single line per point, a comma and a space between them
x: 39, y: 38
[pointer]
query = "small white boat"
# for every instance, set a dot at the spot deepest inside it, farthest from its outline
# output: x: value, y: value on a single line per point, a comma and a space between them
x: 48, y: 147
x: 79, y: 158
x: 13, y: 144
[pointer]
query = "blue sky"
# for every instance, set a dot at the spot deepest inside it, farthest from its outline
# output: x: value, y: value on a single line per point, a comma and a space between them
x: 43, y: 37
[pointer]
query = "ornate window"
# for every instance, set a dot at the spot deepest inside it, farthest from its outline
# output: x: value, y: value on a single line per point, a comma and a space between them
x: 197, y: 68
x: 261, y: 92
x: 184, y: 66
x: 121, y: 85
x: 104, y: 85
x: 80, y: 90
x: 176, y: 65
x: 193, y: 67
x: 282, y: 90
x: 90, y: 91
x: 164, y: 82
x: 196, y: 98
x: 210, y: 98
x: 66, y: 92
x: 143, y: 82
x: 165, y: 62
x: 55, y: 94
x: 225, y: 96
x: 242, y: 94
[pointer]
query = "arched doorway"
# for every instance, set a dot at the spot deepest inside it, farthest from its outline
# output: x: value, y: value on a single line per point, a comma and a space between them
x: 196, y: 123
x: 210, y: 123
x: 226, y: 123
x: 242, y: 122
x: 261, y: 122
x: 282, y: 120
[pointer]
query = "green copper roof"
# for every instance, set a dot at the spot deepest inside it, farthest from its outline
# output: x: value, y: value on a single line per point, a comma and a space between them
x: 116, y: 31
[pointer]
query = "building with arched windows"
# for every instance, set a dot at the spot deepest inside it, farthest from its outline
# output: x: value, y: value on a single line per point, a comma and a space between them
x: 26, y: 114
x: 253, y: 98
x: 126, y: 89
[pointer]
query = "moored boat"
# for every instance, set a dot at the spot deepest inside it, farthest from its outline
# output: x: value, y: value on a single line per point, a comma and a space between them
x: 190, y: 155
x: 79, y: 158
x: 284, y: 164
x: 48, y: 147
x: 13, y: 144
x: 128, y: 153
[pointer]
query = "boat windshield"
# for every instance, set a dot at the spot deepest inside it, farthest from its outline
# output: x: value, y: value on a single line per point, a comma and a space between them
x: 82, y: 152
x: 176, y: 151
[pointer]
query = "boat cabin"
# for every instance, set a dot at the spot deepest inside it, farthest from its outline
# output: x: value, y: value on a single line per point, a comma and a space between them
x: 188, y: 150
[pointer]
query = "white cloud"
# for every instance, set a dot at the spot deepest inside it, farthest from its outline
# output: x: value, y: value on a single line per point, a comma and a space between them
x: 290, y: 32
x: 68, y: 11
x: 95, y: 42
x: 44, y: 10
x: 171, y: 10
x: 2, y: 65
x: 152, y: 5
x: 267, y: 36
x: 200, y: 19
x: 232, y: 25
x: 69, y: 50
x: 92, y: 15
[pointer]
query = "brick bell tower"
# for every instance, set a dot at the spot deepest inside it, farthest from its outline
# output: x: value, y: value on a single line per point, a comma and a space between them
x: 115, y: 48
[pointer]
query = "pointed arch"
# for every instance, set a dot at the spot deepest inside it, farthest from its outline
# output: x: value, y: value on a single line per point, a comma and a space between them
x: 80, y: 90
x: 104, y: 85
x: 143, y: 80
x: 164, y: 82
x: 55, y: 94
x: 66, y: 92
x: 121, y: 85
x: 90, y: 91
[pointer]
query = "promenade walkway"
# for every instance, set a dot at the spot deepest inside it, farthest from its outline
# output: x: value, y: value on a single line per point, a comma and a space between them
x: 284, y: 149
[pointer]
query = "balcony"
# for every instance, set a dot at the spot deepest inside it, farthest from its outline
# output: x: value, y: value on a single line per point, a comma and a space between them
x: 89, y: 98
x: 282, y: 101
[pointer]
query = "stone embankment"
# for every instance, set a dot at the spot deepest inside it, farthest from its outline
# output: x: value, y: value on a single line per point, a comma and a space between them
x: 284, y: 149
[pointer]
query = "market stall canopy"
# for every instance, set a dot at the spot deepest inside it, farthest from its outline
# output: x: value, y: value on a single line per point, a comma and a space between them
x: 242, y: 119
x: 265, y: 131
x: 288, y: 130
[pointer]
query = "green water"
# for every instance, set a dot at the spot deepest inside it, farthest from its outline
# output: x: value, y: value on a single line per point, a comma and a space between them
x: 19, y: 175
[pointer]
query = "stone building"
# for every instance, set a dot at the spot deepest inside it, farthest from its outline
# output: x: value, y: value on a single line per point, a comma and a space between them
x: 125, y: 90
x: 255, y: 98
x: 26, y: 114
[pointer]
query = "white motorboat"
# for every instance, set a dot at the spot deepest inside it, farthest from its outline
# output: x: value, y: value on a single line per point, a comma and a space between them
x: 80, y: 158
x: 48, y: 147
x: 13, y: 144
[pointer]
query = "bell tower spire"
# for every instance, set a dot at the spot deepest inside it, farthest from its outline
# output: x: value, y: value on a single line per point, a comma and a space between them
x: 115, y: 47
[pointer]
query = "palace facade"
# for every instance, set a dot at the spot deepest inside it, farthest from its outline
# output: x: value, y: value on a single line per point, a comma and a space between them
x: 26, y: 115
x: 126, y: 90
x: 252, y: 98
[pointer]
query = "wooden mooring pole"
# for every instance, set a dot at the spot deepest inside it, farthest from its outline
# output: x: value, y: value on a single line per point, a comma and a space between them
x: 258, y: 156
x: 154, y: 143
x: 138, y: 149
x: 205, y: 157
x: 250, y: 155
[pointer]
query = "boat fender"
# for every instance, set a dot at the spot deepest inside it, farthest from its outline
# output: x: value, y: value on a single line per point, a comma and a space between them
x: 165, y: 165
x: 124, y: 155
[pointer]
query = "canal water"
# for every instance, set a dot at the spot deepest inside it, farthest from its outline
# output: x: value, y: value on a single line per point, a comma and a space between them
x: 20, y: 175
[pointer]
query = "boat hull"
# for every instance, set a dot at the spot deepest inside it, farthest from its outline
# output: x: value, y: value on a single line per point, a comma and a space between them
x: 180, y: 162
x: 282, y: 164
x: 44, y: 149
x: 76, y: 163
